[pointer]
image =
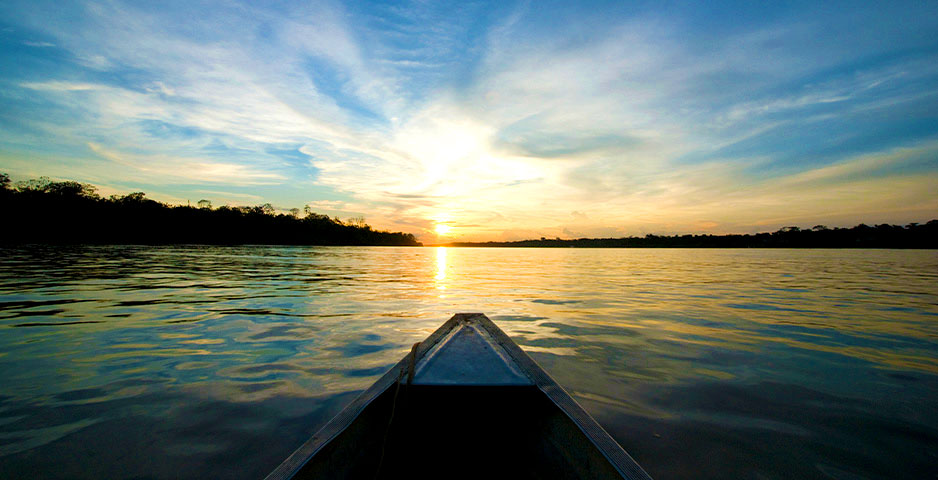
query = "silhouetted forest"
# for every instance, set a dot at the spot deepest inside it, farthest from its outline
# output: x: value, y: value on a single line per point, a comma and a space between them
x: 46, y: 211
x: 913, y: 235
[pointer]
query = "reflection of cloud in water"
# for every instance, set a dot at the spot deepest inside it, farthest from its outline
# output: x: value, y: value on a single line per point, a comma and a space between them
x: 226, y: 348
x: 551, y: 350
x: 176, y: 428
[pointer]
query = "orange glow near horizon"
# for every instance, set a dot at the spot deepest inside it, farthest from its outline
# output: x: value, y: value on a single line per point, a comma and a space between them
x: 442, y: 229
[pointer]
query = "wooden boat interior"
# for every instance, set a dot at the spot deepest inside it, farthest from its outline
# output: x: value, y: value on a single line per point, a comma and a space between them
x: 465, y: 403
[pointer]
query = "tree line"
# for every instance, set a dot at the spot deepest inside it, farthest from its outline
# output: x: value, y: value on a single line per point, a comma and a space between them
x: 913, y: 235
x: 67, y: 212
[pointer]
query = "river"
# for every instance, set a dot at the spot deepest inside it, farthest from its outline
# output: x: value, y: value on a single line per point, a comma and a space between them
x: 197, y: 361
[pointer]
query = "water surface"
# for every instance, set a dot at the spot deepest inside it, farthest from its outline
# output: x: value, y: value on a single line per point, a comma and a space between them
x: 186, y: 362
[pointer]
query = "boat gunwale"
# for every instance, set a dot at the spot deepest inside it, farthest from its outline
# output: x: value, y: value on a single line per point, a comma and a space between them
x: 295, y: 462
x: 614, y: 453
x: 610, y: 449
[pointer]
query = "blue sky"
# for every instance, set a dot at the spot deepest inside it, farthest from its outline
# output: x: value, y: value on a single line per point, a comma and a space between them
x: 498, y: 120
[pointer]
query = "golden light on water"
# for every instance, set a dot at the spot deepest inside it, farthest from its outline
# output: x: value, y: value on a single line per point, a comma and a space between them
x: 440, y: 267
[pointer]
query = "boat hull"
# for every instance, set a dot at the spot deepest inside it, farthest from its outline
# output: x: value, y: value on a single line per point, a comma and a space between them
x: 445, y: 424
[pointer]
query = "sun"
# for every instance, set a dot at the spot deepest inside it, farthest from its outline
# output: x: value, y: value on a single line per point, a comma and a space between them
x: 442, y: 229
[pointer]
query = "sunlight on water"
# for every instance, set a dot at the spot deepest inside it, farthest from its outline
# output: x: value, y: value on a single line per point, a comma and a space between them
x: 172, y: 362
x: 440, y: 268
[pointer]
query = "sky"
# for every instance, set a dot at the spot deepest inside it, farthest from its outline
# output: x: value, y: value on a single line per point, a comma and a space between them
x: 473, y: 121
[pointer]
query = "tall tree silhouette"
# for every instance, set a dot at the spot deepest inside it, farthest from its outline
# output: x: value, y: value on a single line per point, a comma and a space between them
x: 46, y: 211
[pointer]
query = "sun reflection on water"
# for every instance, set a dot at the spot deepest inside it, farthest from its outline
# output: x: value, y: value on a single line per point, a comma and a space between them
x: 650, y: 340
x: 440, y: 268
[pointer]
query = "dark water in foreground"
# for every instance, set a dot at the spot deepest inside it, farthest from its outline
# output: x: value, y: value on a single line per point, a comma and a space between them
x: 185, y: 362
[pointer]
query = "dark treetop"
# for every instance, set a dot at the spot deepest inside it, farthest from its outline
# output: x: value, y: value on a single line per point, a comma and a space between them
x: 913, y: 235
x: 45, y: 211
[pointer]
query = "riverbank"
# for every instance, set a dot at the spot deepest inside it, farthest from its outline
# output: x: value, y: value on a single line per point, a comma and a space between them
x: 913, y: 235
x: 50, y: 212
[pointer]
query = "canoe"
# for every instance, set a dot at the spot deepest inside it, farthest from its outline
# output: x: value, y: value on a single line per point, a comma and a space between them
x: 466, y: 402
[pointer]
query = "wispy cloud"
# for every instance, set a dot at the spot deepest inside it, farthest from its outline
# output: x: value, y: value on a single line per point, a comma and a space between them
x: 495, y: 116
x: 38, y: 44
x: 59, y: 86
x: 224, y: 196
x: 164, y: 167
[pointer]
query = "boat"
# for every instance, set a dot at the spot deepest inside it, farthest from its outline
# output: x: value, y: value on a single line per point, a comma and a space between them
x: 466, y: 402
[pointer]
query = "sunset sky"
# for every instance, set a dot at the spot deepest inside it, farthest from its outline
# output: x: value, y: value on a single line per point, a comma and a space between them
x: 493, y: 121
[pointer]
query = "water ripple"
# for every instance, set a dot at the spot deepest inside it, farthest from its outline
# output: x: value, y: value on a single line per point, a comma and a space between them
x: 196, y: 361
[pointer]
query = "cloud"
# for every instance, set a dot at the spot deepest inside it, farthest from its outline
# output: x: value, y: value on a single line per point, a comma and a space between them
x: 226, y: 196
x: 493, y: 116
x: 60, y: 86
x: 191, y: 169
